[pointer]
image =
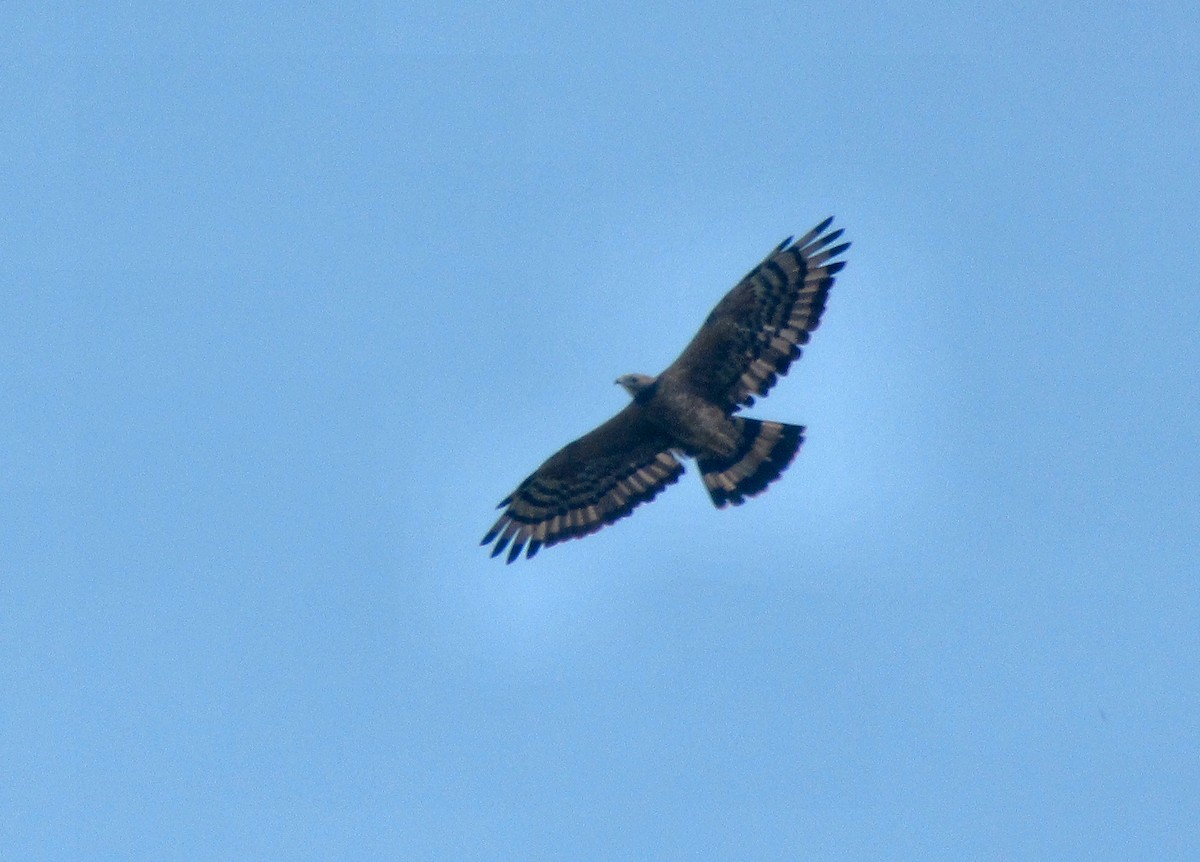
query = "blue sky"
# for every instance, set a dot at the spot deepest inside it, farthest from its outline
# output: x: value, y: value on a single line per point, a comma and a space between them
x: 292, y: 296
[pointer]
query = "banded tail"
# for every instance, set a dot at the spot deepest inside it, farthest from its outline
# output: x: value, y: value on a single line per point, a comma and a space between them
x: 763, y: 453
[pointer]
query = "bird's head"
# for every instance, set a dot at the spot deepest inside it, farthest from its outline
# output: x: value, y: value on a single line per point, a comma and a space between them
x: 635, y: 384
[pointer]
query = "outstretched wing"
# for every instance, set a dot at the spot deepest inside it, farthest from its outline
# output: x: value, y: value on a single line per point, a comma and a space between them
x: 755, y: 332
x: 587, y: 484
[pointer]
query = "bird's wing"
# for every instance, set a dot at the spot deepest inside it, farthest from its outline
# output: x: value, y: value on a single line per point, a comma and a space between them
x: 753, y: 335
x: 587, y: 484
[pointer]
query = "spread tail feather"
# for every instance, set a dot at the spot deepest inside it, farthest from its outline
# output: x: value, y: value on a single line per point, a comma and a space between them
x: 764, y: 451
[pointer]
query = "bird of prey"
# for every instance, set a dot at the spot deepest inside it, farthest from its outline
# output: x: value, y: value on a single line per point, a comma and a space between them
x: 748, y: 341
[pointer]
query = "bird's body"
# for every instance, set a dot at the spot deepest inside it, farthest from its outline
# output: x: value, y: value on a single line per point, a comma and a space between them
x: 698, y: 426
x: 748, y: 341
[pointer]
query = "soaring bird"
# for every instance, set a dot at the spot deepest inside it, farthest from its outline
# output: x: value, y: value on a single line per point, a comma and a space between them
x: 748, y: 341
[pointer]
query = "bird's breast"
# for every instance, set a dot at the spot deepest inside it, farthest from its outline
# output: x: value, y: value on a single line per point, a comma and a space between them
x: 700, y: 427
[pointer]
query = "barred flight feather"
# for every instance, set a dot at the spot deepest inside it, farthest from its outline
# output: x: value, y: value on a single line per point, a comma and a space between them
x: 544, y: 511
x: 756, y: 332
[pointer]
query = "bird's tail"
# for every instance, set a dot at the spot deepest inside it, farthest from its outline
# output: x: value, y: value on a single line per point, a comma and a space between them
x: 764, y: 451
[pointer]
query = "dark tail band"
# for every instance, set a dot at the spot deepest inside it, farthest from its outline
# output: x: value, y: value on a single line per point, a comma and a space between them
x: 764, y: 452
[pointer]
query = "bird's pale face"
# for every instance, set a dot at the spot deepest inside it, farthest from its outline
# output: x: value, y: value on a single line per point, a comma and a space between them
x: 635, y: 383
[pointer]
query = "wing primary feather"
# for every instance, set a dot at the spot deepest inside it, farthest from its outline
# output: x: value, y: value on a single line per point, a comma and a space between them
x: 491, y: 534
x: 814, y: 233
x: 818, y: 259
x: 777, y: 271
x: 823, y: 241
x: 782, y: 245
x: 505, y: 537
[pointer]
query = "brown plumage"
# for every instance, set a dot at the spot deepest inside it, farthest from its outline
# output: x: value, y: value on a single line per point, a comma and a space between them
x: 748, y: 341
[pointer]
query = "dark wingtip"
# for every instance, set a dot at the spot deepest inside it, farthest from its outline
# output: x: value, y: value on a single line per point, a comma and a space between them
x: 838, y: 249
x: 819, y: 242
x: 501, y: 545
x: 832, y: 235
x: 784, y: 244
x: 534, y: 545
x: 515, y: 551
x: 814, y: 235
